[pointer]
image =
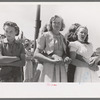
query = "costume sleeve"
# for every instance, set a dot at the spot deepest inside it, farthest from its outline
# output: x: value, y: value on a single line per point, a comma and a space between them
x: 41, y: 42
x: 73, y: 46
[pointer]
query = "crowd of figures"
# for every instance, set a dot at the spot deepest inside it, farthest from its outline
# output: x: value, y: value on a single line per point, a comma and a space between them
x: 57, y: 58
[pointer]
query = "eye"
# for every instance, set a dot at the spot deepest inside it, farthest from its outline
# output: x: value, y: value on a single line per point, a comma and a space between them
x: 85, y: 33
x: 6, y: 31
x: 11, y: 31
x: 54, y: 22
x: 81, y: 32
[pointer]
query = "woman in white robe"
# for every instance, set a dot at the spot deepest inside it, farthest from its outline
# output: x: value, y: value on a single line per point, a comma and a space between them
x: 81, y: 51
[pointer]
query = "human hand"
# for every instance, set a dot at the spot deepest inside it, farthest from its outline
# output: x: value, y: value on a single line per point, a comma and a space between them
x: 92, y: 61
x: 67, y: 60
x: 32, y: 59
x: 57, y: 59
x: 94, y: 67
x: 17, y: 58
x: 28, y: 58
x: 97, y: 60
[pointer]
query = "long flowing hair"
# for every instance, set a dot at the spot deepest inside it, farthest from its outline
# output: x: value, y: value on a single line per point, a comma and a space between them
x: 71, y: 31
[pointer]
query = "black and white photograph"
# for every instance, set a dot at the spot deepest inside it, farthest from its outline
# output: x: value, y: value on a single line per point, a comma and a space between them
x: 50, y: 46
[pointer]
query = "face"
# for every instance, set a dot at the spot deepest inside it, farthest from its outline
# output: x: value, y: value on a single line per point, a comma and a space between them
x: 27, y: 44
x: 27, y: 41
x: 56, y: 24
x: 82, y: 34
x: 10, y: 32
x: 48, y: 27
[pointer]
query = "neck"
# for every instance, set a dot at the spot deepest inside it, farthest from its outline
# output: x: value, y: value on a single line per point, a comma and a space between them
x: 55, y: 32
x: 83, y: 42
x: 11, y: 40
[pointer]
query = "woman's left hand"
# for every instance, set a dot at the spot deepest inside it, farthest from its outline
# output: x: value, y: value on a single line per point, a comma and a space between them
x: 67, y: 60
x: 92, y: 61
x: 28, y: 58
x: 94, y: 67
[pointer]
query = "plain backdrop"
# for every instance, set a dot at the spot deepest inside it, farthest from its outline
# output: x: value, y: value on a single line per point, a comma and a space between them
x: 24, y: 14
x: 85, y: 13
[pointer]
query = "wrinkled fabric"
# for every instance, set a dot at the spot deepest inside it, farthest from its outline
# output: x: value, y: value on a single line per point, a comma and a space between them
x: 83, y: 73
x: 55, y: 45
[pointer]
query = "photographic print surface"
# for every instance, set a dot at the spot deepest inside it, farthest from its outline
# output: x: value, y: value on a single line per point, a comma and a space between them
x: 49, y: 49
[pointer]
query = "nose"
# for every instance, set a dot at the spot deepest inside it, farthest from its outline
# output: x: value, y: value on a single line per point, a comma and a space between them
x: 56, y: 23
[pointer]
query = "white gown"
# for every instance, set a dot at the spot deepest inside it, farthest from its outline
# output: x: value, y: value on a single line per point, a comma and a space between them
x: 83, y: 73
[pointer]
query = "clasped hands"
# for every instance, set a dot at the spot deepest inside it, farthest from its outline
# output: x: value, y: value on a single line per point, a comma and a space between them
x: 59, y: 59
x: 93, y: 64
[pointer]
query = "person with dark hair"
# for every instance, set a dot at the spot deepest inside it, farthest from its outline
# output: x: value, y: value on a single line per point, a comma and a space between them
x: 80, y: 52
x: 52, y: 43
x: 12, y: 55
x: 46, y: 28
x: 71, y: 31
x: 12, y: 24
x: 95, y: 58
x: 69, y: 38
x: 28, y: 68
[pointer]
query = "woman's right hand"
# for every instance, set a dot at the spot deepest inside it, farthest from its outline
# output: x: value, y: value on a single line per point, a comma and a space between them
x: 28, y: 58
x: 57, y: 60
x: 67, y: 60
x: 92, y: 61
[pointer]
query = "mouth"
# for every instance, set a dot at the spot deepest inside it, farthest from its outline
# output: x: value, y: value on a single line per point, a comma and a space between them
x: 82, y: 37
x: 8, y: 36
x: 58, y: 28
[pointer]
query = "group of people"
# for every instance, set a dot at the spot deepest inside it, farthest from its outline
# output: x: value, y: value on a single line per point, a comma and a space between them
x: 57, y: 58
x: 66, y: 59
